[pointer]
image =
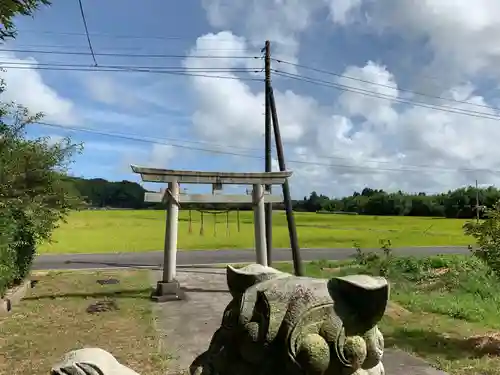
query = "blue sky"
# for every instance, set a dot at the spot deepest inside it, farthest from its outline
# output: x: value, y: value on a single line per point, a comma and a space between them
x: 342, y: 140
x: 53, y: 27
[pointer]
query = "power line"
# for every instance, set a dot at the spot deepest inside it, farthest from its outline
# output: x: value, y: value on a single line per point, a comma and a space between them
x: 302, y: 162
x: 71, y: 33
x: 140, y: 37
x: 160, y: 67
x: 374, y: 94
x: 285, y: 74
x: 135, y: 48
x: 77, y: 128
x: 289, y: 75
x: 382, y: 85
x: 253, y: 149
x: 180, y: 72
x: 104, y: 35
x: 23, y: 50
x: 87, y: 31
x: 164, y: 38
x: 148, y: 55
x: 73, y: 67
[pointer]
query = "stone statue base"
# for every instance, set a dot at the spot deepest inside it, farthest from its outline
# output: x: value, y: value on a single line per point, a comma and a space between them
x: 90, y: 361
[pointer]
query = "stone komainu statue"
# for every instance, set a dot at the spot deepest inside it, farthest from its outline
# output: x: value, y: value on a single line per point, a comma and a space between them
x: 278, y: 323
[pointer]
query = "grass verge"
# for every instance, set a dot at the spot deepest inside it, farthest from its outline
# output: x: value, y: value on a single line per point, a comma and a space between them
x: 53, y: 320
x: 443, y: 309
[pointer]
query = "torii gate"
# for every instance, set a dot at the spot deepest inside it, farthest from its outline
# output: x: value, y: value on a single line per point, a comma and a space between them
x: 168, y: 288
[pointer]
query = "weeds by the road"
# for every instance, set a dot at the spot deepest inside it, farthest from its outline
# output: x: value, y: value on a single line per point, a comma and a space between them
x: 443, y: 308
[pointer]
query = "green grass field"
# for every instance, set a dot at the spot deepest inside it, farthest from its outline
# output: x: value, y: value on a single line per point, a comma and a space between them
x: 127, y: 230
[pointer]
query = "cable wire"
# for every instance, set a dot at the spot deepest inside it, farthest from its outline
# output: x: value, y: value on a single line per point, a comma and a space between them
x: 382, y: 85
x: 148, y: 55
x: 253, y: 149
x: 181, y: 72
x: 374, y: 94
x: 171, y: 70
x: 408, y: 168
x: 449, y: 109
x: 84, y: 19
x: 64, y: 65
x: 65, y: 127
x: 134, y: 48
x: 141, y: 37
x: 104, y: 35
x: 292, y: 76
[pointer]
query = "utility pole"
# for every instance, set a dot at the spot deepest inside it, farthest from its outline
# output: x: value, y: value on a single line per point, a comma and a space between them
x: 268, y: 156
x: 477, y: 203
x: 292, y: 230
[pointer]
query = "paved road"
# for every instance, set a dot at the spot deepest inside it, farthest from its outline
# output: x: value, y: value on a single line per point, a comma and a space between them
x: 198, y: 257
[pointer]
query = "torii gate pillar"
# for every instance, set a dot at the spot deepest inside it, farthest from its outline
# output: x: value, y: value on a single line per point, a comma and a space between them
x: 171, y: 232
x: 259, y: 220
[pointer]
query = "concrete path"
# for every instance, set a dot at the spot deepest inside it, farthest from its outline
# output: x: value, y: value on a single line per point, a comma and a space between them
x: 154, y: 259
x: 186, y: 327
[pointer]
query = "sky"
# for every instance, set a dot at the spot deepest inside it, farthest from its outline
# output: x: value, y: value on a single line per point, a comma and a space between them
x: 402, y: 94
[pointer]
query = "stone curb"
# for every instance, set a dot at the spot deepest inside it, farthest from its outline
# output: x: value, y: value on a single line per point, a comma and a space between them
x: 13, y: 297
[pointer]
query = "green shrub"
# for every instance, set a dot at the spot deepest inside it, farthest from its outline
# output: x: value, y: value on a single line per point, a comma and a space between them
x: 34, y: 193
x: 7, y: 269
x: 373, y: 262
x: 487, y: 236
x: 31, y: 201
x: 23, y: 245
x: 8, y: 272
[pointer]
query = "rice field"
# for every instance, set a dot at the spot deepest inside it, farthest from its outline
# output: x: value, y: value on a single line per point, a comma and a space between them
x: 101, y: 231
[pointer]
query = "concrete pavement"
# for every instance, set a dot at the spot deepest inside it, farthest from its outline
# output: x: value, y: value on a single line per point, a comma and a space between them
x: 154, y: 259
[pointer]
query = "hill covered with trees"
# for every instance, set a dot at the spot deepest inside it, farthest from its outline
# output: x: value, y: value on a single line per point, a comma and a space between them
x: 459, y: 203
x: 101, y: 193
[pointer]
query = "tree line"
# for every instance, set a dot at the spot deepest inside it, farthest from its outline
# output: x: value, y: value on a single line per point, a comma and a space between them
x: 458, y: 203
x: 463, y: 202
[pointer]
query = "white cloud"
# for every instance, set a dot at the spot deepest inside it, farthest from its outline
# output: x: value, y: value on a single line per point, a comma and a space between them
x: 154, y: 155
x: 281, y: 21
x: 26, y: 87
x: 341, y: 10
x: 360, y: 140
x: 230, y: 99
x: 461, y: 34
x: 111, y: 117
x: 126, y: 92
x: 161, y: 155
x: 374, y: 109
x: 103, y: 88
x: 111, y: 147
x: 231, y: 110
